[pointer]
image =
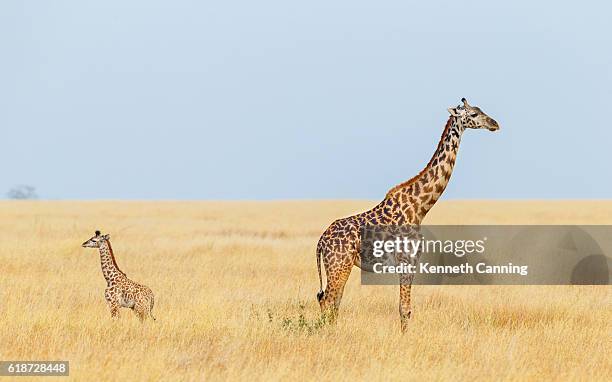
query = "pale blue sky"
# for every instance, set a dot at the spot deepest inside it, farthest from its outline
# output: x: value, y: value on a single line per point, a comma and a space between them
x: 316, y: 99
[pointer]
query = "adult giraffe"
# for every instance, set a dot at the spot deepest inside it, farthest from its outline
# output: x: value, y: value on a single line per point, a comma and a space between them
x: 405, y: 204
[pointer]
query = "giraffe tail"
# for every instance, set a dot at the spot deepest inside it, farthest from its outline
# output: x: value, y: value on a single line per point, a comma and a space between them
x: 321, y: 293
x: 151, y: 308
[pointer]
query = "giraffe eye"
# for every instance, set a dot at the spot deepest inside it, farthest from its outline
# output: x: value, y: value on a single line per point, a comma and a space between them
x: 474, y: 115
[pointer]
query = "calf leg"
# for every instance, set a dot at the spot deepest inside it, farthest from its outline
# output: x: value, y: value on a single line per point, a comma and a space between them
x: 140, y: 310
x: 111, y: 296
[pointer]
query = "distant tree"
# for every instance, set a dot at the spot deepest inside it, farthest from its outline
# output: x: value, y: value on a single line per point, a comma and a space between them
x: 22, y: 192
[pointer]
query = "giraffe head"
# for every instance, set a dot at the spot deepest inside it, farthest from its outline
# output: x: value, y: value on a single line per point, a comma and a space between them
x: 96, y: 240
x: 471, y: 117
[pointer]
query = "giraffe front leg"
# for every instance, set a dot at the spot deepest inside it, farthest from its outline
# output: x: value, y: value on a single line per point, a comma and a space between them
x: 406, y: 279
x: 114, y: 310
x: 405, y: 308
x: 110, y: 294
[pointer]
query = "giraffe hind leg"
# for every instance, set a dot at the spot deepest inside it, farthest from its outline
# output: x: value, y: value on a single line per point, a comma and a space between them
x: 320, y: 295
x: 140, y: 311
x: 332, y: 296
x: 143, y: 307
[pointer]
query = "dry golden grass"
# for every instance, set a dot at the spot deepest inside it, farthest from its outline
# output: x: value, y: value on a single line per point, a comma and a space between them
x: 235, y: 286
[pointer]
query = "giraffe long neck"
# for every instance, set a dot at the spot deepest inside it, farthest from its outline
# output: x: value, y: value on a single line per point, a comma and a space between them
x: 416, y: 196
x: 110, y: 270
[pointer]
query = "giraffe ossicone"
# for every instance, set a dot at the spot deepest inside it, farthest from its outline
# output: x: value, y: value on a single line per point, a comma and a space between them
x: 120, y: 292
x: 404, y: 205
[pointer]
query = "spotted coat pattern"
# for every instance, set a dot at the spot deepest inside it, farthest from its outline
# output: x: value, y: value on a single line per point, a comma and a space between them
x: 121, y: 292
x: 405, y: 204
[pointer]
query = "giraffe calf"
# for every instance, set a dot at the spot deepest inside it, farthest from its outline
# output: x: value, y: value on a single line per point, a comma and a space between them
x: 120, y: 292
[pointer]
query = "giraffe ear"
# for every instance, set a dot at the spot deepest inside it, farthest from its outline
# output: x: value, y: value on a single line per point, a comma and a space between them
x: 106, y: 237
x: 452, y: 111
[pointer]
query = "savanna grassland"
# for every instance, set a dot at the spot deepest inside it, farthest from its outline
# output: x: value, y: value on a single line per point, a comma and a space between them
x: 235, y: 286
